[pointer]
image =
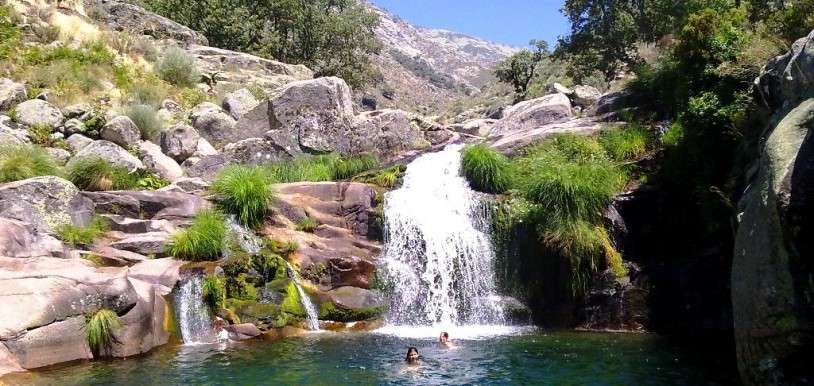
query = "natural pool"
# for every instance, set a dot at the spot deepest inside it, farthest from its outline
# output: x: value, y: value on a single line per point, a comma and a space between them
x: 524, y: 357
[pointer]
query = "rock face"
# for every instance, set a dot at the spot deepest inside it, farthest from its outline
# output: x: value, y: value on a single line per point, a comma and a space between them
x: 12, y: 133
x: 156, y: 161
x: 512, y: 142
x: 11, y: 93
x: 152, y: 205
x: 179, y: 142
x: 386, y: 132
x: 110, y: 152
x: 534, y: 113
x: 20, y: 239
x: 37, y: 112
x: 250, y: 69
x: 239, y: 103
x: 121, y: 131
x: 217, y: 126
x: 771, y: 273
x: 585, y: 96
x: 121, y: 16
x: 44, y: 202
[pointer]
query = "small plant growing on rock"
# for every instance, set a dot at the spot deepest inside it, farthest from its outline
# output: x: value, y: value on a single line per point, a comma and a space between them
x: 177, y: 67
x: 307, y: 224
x: 40, y: 135
x: 146, y: 119
x: 485, y: 169
x: 81, y: 236
x: 203, y: 240
x: 244, y: 192
x: 19, y: 162
x: 100, y: 328
x: 214, y: 292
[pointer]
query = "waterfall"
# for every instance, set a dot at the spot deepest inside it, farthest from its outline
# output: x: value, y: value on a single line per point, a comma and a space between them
x: 311, y: 318
x: 438, y: 254
x: 194, y: 320
x: 244, y: 237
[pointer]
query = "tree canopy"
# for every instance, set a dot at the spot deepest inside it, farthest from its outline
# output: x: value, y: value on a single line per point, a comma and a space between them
x: 518, y: 70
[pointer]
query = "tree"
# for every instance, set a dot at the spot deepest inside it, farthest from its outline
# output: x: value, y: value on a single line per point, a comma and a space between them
x: 332, y: 37
x: 518, y: 70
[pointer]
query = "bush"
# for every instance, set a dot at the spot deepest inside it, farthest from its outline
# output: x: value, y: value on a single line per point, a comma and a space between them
x: 146, y: 119
x: 99, y: 331
x: 78, y: 236
x: 487, y: 170
x: 625, y: 144
x: 307, y: 224
x: 214, y: 292
x: 244, y: 192
x: 329, y: 167
x: 177, y: 67
x: 97, y: 174
x: 41, y: 135
x: 203, y: 240
x: 577, y: 191
x: 19, y: 162
x: 9, y: 32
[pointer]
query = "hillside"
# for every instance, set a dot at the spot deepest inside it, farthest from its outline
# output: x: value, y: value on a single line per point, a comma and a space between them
x: 426, y: 69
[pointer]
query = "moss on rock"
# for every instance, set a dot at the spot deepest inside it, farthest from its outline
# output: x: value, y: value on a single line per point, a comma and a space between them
x: 330, y: 311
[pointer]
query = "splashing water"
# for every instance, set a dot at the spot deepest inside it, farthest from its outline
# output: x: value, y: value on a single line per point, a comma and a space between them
x: 438, y: 254
x: 194, y: 320
x: 311, y: 318
x: 244, y: 237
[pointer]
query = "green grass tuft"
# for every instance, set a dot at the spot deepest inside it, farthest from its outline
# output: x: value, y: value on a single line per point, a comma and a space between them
x: 19, y: 162
x: 625, y: 144
x: 146, y: 119
x: 214, y: 292
x: 307, y: 224
x: 82, y: 236
x: 203, y: 240
x: 97, y: 174
x: 177, y: 67
x: 99, y: 331
x: 328, y: 167
x: 245, y: 192
x: 485, y: 169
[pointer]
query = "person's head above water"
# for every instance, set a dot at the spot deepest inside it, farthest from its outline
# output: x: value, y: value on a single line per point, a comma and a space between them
x: 412, y: 355
x: 444, y: 337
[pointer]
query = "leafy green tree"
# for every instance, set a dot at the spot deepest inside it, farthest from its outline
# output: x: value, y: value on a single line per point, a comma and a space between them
x: 790, y: 19
x: 333, y: 37
x: 518, y: 70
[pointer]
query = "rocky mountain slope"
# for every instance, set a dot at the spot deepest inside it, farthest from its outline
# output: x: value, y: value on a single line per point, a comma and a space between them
x: 426, y: 69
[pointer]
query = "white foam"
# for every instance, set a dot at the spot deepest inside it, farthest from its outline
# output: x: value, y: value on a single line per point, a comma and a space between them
x: 469, y: 332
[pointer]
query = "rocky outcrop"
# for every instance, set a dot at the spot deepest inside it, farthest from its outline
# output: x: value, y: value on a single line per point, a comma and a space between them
x: 387, y: 133
x: 78, y: 142
x: 772, y: 274
x: 585, y: 96
x: 37, y: 112
x: 534, y: 113
x: 11, y: 93
x: 122, y: 131
x: 240, y: 102
x: 179, y: 142
x: 157, y: 162
x: 46, y: 203
x: 152, y: 205
x: 125, y: 17
x: 21, y: 240
x: 110, y: 152
x: 217, y: 126
x: 12, y: 133
x: 513, y: 141
x: 240, y: 69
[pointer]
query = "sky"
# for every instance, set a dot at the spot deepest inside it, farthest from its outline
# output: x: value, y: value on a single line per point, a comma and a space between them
x: 513, y: 22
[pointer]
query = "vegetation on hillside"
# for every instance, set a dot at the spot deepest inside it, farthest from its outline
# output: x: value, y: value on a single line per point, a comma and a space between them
x: 77, y: 236
x: 328, y: 167
x: 19, y: 162
x: 97, y: 174
x: 332, y: 37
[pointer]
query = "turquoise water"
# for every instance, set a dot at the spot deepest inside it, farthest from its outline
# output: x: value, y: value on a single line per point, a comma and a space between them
x: 532, y: 358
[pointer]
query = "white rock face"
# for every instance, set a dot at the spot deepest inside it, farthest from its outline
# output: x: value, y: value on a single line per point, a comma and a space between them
x: 534, y: 113
x: 158, y: 162
x: 585, y: 96
x: 121, y: 131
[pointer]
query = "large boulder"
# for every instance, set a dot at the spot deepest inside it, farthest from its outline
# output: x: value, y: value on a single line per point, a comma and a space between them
x: 217, y: 126
x: 254, y: 151
x: 11, y: 133
x: 122, y: 131
x: 207, y: 168
x: 134, y: 20
x: 157, y: 162
x: 45, y: 202
x: 351, y: 271
x: 772, y: 274
x: 179, y: 142
x: 534, y: 113
x: 151, y: 243
x: 239, y: 103
x: 78, y: 142
x: 37, y: 112
x: 386, y: 132
x: 153, y: 205
x: 585, y: 96
x: 354, y: 298
x: 110, y: 152
x: 20, y: 239
x: 11, y: 93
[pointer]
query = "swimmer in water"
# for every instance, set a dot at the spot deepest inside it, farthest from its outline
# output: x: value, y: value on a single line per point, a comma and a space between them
x: 412, y: 356
x: 443, y: 340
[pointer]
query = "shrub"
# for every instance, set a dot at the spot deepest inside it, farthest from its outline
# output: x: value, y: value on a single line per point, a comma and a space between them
x: 625, y: 144
x: 82, y: 236
x: 245, y: 192
x: 177, y: 67
x: 97, y: 174
x: 344, y: 168
x: 329, y: 167
x: 578, y: 191
x: 485, y: 169
x: 9, y: 32
x: 99, y: 331
x: 214, y: 292
x: 40, y: 135
x: 307, y: 224
x: 19, y: 162
x: 203, y: 240
x: 146, y: 119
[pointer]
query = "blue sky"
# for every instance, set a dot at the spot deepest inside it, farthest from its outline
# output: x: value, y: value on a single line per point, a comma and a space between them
x: 512, y: 22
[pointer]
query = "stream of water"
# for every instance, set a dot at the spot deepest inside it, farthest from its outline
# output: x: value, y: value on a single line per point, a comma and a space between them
x: 311, y: 319
x: 194, y: 321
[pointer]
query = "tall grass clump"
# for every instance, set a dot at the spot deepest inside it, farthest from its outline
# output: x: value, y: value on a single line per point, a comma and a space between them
x: 625, y: 144
x: 307, y: 224
x: 19, y: 162
x: 203, y: 240
x: 485, y: 169
x: 81, y: 236
x: 327, y: 167
x: 100, y: 328
x: 97, y: 174
x: 146, y: 119
x: 245, y: 192
x: 574, y: 190
x: 177, y: 67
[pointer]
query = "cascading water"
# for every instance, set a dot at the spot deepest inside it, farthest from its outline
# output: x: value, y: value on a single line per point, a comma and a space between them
x: 194, y: 320
x: 438, y: 253
x: 311, y: 318
x: 244, y: 237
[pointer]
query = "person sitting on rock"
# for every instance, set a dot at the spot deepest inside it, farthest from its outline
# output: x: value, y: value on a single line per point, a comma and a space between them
x: 412, y: 356
x: 220, y: 329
